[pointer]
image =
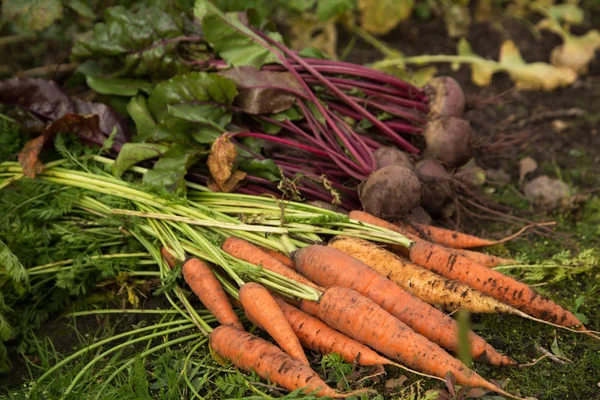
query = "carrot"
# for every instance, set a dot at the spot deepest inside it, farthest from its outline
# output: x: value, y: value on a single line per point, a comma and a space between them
x: 421, y: 282
x: 282, y: 258
x: 246, y: 251
x: 169, y: 258
x: 373, y: 220
x: 207, y: 287
x: 251, y: 353
x: 262, y: 310
x: 413, y: 234
x: 484, y: 259
x: 453, y: 239
x: 331, y: 267
x: 490, y: 282
x: 360, y: 318
x: 316, y: 335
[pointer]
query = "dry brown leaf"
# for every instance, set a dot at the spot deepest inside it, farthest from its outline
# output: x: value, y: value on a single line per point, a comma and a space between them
x: 229, y: 185
x: 81, y: 125
x: 234, y: 180
x: 221, y: 158
x: 29, y: 157
x: 212, y: 185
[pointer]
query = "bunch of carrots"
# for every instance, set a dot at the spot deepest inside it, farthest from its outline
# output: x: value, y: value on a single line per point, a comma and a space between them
x: 360, y: 310
x: 354, y: 285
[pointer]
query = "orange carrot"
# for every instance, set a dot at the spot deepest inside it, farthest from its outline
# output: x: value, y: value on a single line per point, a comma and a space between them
x: 454, y: 266
x: 413, y: 234
x: 484, y: 259
x: 207, y: 287
x: 419, y: 281
x: 373, y: 220
x: 251, y: 353
x: 169, y: 258
x: 360, y: 318
x: 316, y: 335
x: 262, y: 310
x: 453, y: 239
x: 246, y: 251
x: 331, y: 267
x: 282, y: 258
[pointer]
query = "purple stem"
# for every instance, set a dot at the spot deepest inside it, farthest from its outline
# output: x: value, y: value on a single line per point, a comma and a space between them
x: 314, y: 98
x: 403, y: 127
x: 392, y: 80
x: 378, y: 88
x: 403, y: 143
x: 352, y: 71
x: 282, y: 141
x: 392, y: 109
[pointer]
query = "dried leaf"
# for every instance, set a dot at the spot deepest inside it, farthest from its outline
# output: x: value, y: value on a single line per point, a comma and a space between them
x: 481, y: 73
x: 212, y: 185
x: 234, y: 180
x: 533, y: 76
x: 263, y: 92
x: 526, y: 166
x: 220, y: 160
x: 576, y: 52
x: 396, y: 383
x: 82, y: 126
x: 45, y: 99
x: 29, y: 157
x: 307, y: 31
x: 381, y: 16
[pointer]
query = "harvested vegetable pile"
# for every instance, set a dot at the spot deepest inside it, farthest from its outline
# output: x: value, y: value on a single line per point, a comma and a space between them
x: 274, y: 200
x: 221, y: 233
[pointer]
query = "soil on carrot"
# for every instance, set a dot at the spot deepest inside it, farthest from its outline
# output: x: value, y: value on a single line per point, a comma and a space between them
x: 563, y: 136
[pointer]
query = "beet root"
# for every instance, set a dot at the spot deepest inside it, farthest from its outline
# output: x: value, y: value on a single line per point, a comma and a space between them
x: 447, y: 98
x: 449, y: 141
x: 386, y: 156
x: 436, y: 185
x: 390, y: 192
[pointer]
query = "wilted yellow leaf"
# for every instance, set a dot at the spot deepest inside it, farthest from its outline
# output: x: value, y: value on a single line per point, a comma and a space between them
x: 381, y: 16
x: 576, y: 52
x: 481, y: 70
x: 533, y: 76
x: 307, y: 31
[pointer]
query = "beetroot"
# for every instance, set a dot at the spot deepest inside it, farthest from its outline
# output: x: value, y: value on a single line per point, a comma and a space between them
x: 390, y: 192
x: 448, y: 140
x: 385, y: 156
x: 447, y: 98
x: 436, y: 188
